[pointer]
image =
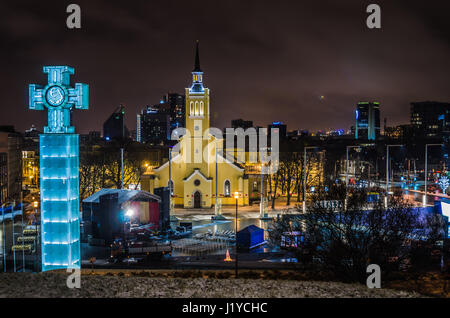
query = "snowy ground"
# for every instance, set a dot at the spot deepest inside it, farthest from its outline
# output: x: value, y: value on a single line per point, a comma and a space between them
x: 54, y: 285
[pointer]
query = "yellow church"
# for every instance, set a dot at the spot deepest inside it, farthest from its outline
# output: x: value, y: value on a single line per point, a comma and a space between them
x: 192, y: 167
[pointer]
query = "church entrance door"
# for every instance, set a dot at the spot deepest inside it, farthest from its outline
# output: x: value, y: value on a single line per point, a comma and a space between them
x: 197, y: 200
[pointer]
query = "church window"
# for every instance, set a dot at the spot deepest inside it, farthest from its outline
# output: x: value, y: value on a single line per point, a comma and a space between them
x: 201, y: 108
x: 192, y: 108
x: 227, y: 188
x: 196, y: 108
x: 197, y: 182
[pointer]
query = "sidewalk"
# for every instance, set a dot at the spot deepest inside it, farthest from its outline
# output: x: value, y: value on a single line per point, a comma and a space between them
x: 245, y: 211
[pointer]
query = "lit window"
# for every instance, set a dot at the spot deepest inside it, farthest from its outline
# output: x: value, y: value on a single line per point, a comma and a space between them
x: 227, y: 188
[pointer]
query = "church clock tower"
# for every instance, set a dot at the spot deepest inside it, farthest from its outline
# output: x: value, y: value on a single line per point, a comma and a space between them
x: 197, y: 179
x: 197, y: 108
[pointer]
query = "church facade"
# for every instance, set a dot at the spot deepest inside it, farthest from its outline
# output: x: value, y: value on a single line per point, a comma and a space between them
x: 198, y: 181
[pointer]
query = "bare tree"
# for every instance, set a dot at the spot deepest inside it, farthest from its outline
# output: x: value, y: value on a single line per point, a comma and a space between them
x: 345, y: 238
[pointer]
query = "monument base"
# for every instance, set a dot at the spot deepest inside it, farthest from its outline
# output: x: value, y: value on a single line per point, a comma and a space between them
x: 60, y: 221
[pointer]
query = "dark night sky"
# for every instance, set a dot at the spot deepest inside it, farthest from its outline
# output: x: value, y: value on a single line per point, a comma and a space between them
x: 263, y: 60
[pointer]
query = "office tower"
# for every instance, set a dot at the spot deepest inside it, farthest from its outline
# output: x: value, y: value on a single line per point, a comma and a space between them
x: 114, y: 127
x: 282, y: 129
x: 430, y: 119
x: 153, y: 126
x: 367, y: 121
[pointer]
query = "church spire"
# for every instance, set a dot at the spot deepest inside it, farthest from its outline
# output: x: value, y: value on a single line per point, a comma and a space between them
x: 197, y: 59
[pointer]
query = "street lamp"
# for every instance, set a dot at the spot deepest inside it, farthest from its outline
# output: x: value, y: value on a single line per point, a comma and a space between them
x: 387, y: 172
x: 13, y: 234
x: 129, y: 213
x: 35, y: 205
x: 424, y: 203
x: 236, y: 196
x: 261, y: 206
x: 4, y: 238
x: 304, y: 177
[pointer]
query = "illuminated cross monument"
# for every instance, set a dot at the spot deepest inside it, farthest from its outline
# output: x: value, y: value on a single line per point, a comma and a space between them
x: 60, y: 223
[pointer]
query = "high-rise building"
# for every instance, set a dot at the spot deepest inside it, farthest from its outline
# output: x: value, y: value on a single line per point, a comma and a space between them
x: 156, y: 123
x: 177, y: 108
x: 153, y: 126
x: 367, y: 120
x: 114, y: 127
x: 282, y: 129
x: 430, y: 118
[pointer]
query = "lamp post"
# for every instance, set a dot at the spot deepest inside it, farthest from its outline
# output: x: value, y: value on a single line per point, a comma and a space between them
x: 304, y: 176
x: 23, y: 241
x: 216, y: 205
x: 387, y: 172
x: 13, y: 234
x: 236, y: 196
x: 261, y: 206
x: 4, y: 238
x: 170, y: 172
x: 424, y: 203
x: 121, y: 167
x: 35, y: 205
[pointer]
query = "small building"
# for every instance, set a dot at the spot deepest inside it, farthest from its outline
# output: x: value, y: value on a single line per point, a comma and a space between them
x: 250, y: 237
x: 108, y: 213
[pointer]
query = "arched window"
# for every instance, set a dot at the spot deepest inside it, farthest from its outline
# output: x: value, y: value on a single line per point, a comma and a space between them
x: 192, y: 108
x: 201, y: 108
x: 227, y: 188
x: 196, y: 108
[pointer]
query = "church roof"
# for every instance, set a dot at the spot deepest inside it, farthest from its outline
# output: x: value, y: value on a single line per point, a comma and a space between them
x: 197, y: 171
x: 197, y: 60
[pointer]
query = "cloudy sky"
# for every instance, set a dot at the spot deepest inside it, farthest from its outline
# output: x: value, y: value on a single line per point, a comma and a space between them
x: 263, y: 60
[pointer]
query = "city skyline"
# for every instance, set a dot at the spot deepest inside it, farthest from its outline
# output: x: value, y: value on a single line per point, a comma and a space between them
x: 263, y: 63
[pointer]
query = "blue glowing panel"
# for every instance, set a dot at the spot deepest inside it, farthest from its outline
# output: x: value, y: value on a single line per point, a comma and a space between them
x: 60, y: 221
